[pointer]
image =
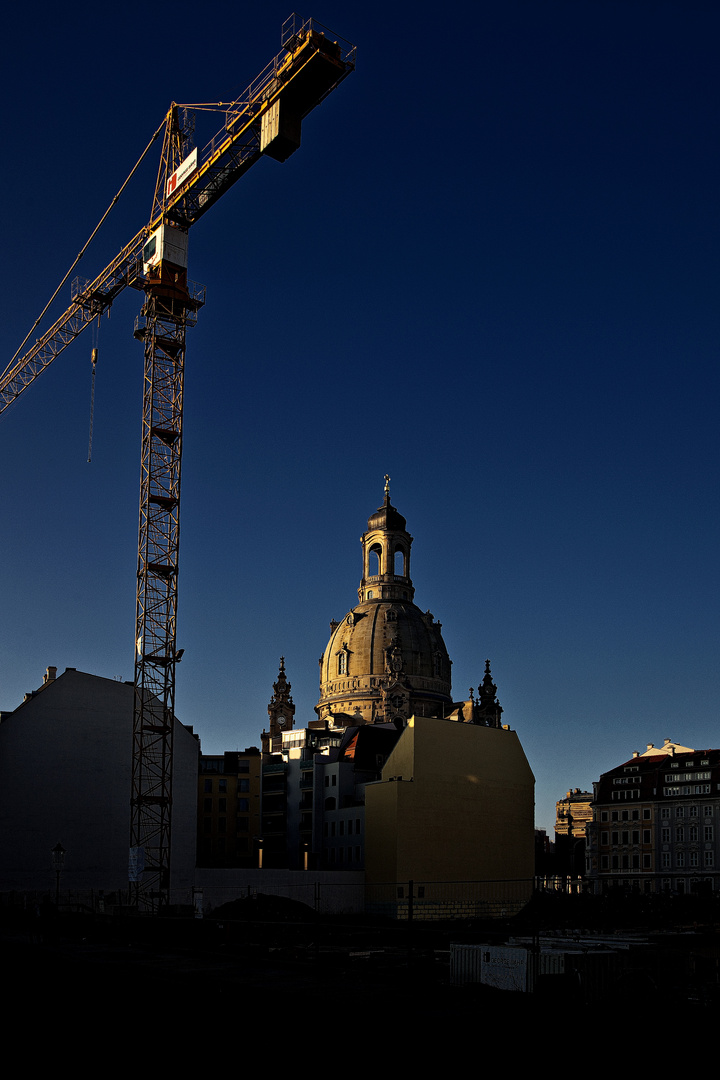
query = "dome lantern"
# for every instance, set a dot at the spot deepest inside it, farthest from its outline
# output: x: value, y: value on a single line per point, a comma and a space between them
x: 386, y: 555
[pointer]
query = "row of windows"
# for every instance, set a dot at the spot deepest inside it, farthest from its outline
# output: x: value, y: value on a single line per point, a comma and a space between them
x: 351, y: 854
x: 693, y: 859
x: 693, y: 833
x: 665, y: 812
x: 625, y: 862
x: 690, y: 859
x: 688, y: 789
x: 672, y: 778
x: 625, y: 837
x: 241, y: 824
x: 330, y: 827
x: 208, y: 788
x: 693, y: 811
x: 626, y: 815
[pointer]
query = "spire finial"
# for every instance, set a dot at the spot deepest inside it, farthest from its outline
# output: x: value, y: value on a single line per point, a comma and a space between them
x: 387, y: 486
x: 282, y: 665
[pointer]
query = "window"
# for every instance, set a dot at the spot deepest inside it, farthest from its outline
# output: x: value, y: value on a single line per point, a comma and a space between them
x: 694, y: 858
x: 693, y: 811
x: 646, y: 836
x: 665, y: 811
x: 222, y: 787
x: 243, y: 804
x: 615, y: 836
x: 693, y: 831
x: 680, y: 834
x: 707, y: 811
x: 636, y: 836
x: 709, y: 858
x: 342, y: 663
x: 243, y: 785
x: 680, y: 858
x: 679, y: 811
x: 709, y: 832
x: 665, y: 836
x: 666, y: 860
x: 646, y: 813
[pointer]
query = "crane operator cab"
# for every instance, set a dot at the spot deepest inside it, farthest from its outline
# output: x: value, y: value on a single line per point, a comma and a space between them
x: 166, y: 244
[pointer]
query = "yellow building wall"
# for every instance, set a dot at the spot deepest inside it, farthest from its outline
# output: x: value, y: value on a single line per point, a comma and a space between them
x: 463, y: 809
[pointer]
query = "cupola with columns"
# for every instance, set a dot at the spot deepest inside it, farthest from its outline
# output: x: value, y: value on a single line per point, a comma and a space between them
x: 386, y: 555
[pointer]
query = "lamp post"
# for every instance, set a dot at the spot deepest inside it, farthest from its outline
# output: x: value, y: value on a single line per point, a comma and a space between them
x: 58, y: 858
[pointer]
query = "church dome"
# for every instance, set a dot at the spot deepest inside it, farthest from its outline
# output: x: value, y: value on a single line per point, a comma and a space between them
x: 386, y: 660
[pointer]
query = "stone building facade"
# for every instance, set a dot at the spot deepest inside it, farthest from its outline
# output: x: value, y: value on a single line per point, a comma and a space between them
x: 656, y: 822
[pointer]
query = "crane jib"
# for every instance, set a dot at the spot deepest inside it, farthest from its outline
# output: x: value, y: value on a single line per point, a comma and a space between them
x: 264, y: 121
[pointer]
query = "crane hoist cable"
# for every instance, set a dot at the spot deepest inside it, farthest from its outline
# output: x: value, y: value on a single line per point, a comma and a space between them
x: 82, y: 251
x: 94, y: 360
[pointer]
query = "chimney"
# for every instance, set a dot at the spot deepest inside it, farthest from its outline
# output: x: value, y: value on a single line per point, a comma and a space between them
x: 50, y: 675
x: 636, y: 753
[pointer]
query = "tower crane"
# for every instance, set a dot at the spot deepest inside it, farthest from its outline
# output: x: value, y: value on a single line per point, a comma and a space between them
x: 264, y: 121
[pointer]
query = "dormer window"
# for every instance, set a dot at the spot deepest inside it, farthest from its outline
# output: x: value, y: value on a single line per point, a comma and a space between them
x: 342, y: 663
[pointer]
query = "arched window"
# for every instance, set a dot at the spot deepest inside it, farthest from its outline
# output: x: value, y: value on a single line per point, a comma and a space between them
x: 375, y: 560
x: 342, y: 663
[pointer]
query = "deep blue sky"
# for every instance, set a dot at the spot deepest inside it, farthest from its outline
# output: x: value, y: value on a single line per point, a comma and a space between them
x: 490, y: 270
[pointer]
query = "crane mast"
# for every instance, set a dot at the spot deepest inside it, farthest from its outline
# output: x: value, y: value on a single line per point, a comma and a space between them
x: 264, y: 121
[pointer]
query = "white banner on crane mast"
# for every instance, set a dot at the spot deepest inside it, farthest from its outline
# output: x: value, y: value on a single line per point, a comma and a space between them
x: 182, y: 172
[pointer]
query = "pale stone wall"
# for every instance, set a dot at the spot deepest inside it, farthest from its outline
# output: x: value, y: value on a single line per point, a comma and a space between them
x: 65, y: 776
